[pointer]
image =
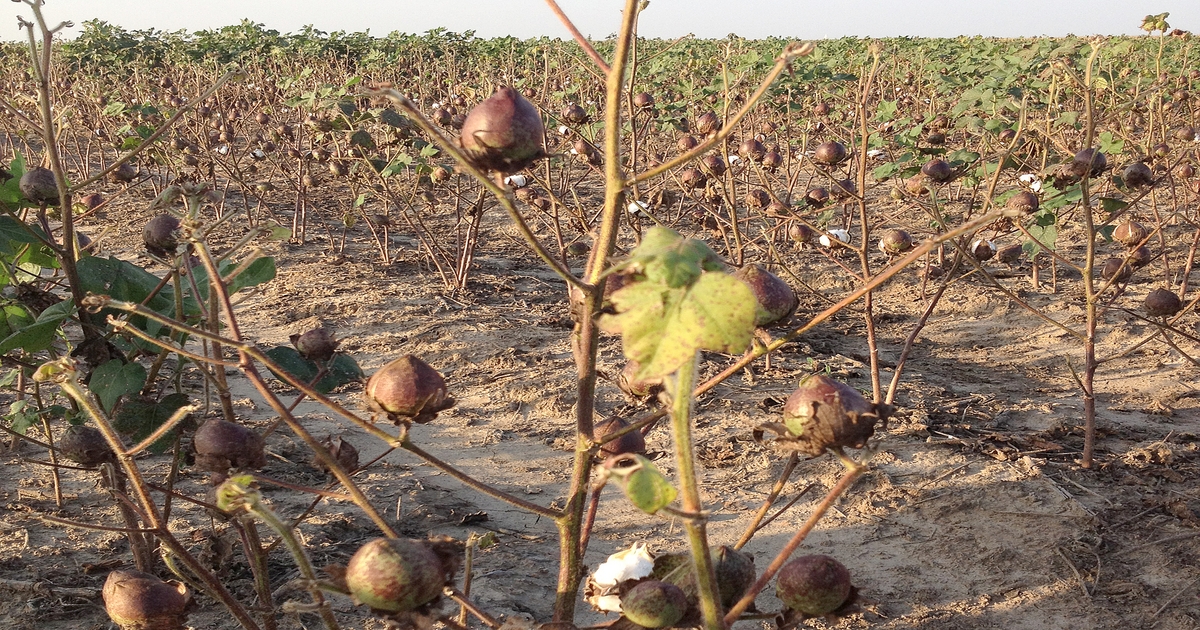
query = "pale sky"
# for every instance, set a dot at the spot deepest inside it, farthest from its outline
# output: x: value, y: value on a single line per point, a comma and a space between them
x: 664, y: 18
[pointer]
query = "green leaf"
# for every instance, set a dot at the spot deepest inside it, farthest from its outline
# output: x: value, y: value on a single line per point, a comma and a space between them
x: 886, y: 170
x: 391, y: 118
x: 644, y: 484
x: 886, y: 111
x: 40, y: 334
x: 362, y: 138
x: 13, y: 231
x: 1111, y: 205
x: 260, y: 271
x: 15, y: 318
x: 114, y: 379
x: 1046, y: 234
x: 961, y: 157
x: 123, y: 280
x: 19, y: 420
x: 341, y: 370
x: 139, y: 419
x: 1110, y: 145
x: 681, y: 305
x: 1106, y: 231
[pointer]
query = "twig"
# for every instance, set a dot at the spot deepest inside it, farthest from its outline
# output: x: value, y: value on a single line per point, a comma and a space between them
x: 579, y: 38
x: 1173, y: 598
x: 1082, y: 584
x: 45, y: 588
x: 1183, y: 536
x: 851, y: 475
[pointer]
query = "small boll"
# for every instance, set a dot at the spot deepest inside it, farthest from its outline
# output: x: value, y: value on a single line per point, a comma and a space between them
x: 776, y: 299
x: 707, y: 123
x: 800, y: 233
x: 643, y: 101
x: 395, y: 574
x: 823, y: 413
x: 578, y: 249
x: 127, y: 172
x: 813, y: 585
x: 221, y: 445
x: 39, y: 187
x: 843, y: 189
x: 1137, y: 175
x: 1130, y: 233
x: 630, y: 442
x: 1116, y: 270
x: 917, y: 185
x: 894, y: 242
x: 161, y: 235
x: 1088, y: 162
x: 938, y: 171
x: 654, y: 604
x: 408, y: 389
x: 983, y: 250
x: 628, y: 381
x: 140, y: 601
x: 1140, y: 257
x: 752, y: 150
x: 816, y: 197
x: 91, y: 201
x: 1009, y: 254
x: 343, y: 452
x: 503, y: 133
x: 85, y: 446
x: 692, y: 178
x: 1162, y: 303
x: 713, y: 165
x: 757, y: 199
x: 735, y: 573
x: 1022, y: 203
x: 830, y: 153
x: 574, y: 114
x: 777, y: 208
x: 317, y: 344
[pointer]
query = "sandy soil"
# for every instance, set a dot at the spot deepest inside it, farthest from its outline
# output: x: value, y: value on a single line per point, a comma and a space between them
x: 974, y: 514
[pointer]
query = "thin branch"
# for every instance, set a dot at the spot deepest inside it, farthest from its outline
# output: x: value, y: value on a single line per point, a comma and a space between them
x: 579, y: 38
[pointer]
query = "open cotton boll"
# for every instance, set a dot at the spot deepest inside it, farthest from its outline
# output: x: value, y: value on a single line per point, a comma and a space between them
x: 630, y: 564
x: 1032, y: 181
x: 607, y: 603
x: 834, y: 236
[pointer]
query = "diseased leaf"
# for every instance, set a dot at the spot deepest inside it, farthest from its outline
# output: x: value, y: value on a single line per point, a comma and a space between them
x: 722, y: 310
x: 662, y: 328
x: 682, y: 304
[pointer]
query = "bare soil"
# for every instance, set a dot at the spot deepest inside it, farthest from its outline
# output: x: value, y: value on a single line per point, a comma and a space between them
x: 975, y: 513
